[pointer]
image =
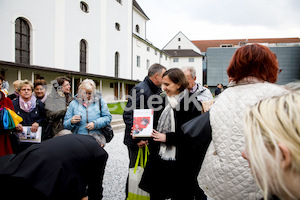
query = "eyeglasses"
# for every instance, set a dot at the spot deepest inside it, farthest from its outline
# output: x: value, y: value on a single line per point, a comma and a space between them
x: 66, y: 85
x: 26, y: 90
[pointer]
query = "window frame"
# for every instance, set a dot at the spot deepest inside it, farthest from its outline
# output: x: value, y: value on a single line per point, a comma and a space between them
x: 22, y: 47
x: 84, y: 7
x: 117, y: 62
x: 83, y: 56
x: 138, y: 61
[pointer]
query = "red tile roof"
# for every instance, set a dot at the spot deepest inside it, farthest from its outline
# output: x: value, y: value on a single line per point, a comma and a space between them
x: 204, y: 44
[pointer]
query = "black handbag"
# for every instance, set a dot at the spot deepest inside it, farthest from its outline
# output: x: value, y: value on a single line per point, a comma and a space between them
x: 107, y: 130
x: 198, y: 130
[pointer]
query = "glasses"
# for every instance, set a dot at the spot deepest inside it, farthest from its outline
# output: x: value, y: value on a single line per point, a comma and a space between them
x: 26, y: 90
x: 66, y: 85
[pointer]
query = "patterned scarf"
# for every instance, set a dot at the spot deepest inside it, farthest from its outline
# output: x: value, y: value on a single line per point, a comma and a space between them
x: 29, y: 105
x: 166, y: 124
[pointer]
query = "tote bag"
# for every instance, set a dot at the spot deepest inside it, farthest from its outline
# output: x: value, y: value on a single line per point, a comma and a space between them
x: 135, y: 175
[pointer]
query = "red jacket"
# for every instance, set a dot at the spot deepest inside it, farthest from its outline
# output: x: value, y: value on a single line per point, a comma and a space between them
x: 5, y: 146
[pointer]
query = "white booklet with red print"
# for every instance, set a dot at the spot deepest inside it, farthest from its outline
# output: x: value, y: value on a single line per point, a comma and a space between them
x: 142, y: 123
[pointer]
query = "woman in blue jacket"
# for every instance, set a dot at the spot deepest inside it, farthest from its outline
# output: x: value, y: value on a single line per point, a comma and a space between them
x: 83, y: 114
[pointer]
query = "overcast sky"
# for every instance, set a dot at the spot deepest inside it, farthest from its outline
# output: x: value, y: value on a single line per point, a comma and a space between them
x: 220, y: 19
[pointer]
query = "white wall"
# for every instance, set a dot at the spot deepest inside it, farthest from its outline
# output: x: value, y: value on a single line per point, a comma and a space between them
x: 184, y: 62
x: 184, y: 43
x: 40, y: 17
x: 140, y: 20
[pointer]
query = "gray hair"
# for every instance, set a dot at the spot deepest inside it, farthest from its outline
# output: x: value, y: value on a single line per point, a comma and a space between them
x: 99, y: 138
x: 191, y: 69
x: 155, y: 68
x: 63, y: 132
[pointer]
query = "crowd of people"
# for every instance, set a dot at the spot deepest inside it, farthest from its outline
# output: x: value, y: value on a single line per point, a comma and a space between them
x: 252, y: 120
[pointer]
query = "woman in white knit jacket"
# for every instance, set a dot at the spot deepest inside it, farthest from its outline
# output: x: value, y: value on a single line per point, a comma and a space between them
x: 225, y: 174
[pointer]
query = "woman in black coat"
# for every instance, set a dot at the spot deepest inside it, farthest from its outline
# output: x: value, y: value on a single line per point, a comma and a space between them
x: 172, y: 170
x: 30, y: 109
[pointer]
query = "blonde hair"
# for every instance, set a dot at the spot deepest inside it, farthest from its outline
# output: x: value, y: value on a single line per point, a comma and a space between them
x: 269, y: 122
x: 23, y: 83
x: 87, y: 84
x: 16, y: 83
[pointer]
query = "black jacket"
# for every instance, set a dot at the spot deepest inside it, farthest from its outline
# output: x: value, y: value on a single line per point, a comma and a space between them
x: 58, y: 168
x: 141, y: 93
x: 38, y: 114
x: 174, y: 178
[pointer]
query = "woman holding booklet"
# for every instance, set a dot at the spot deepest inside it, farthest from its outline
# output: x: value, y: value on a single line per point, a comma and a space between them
x: 30, y: 109
x: 171, y: 170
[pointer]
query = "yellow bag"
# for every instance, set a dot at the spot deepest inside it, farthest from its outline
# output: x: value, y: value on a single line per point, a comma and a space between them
x: 16, y: 118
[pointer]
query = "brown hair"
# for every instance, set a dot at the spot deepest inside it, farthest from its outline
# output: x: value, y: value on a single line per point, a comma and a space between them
x: 62, y: 79
x: 177, y: 76
x: 253, y: 60
x: 41, y: 82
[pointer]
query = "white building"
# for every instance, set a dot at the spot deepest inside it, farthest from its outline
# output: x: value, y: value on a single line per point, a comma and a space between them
x: 103, y: 40
x: 183, y: 52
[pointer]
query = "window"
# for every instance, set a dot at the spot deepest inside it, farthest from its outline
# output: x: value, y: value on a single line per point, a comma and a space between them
x: 148, y: 48
x: 166, y: 58
x: 155, y: 52
x: 117, y: 26
x: 22, y: 41
x: 120, y: 1
x: 175, y: 59
x: 242, y: 43
x: 83, y: 52
x: 179, y: 39
x: 148, y: 64
x: 191, y: 59
x: 226, y: 45
x: 179, y: 47
x: 117, y: 55
x: 138, y: 61
x: 137, y: 29
x: 84, y: 7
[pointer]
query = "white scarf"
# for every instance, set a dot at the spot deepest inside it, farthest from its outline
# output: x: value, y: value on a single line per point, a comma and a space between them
x: 166, y: 123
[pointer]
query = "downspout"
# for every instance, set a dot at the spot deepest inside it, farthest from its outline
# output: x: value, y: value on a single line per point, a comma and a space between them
x: 131, y: 40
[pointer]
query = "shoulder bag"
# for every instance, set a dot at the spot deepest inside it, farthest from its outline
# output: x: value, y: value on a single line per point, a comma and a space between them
x: 107, y: 130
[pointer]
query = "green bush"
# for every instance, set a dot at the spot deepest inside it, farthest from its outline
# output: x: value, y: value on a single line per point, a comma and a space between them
x: 116, y: 108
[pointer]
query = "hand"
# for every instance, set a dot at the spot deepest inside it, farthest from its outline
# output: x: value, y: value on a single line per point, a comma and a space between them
x: 19, y: 127
x: 34, y: 127
x: 142, y: 143
x: 90, y: 126
x: 75, y: 119
x: 159, y: 137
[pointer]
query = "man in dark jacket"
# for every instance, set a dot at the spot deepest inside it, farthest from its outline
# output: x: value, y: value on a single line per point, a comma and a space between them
x: 140, y: 95
x: 59, y: 168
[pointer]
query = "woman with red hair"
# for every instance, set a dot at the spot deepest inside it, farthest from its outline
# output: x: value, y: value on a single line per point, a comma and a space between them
x: 224, y: 173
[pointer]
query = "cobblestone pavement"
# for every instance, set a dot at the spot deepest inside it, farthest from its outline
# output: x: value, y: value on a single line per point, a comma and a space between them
x: 116, y: 170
